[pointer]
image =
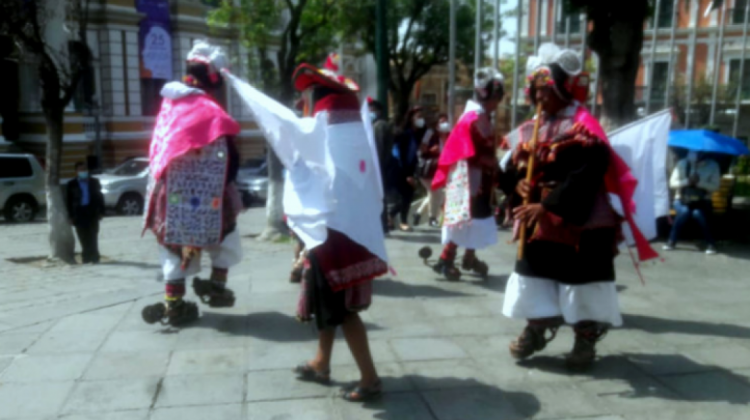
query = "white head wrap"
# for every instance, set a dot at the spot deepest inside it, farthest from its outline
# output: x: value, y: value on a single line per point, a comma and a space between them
x: 485, y: 78
x: 568, y: 60
x: 212, y: 55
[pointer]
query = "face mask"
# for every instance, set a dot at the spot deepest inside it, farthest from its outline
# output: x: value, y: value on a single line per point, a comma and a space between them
x: 83, y: 175
x: 373, y: 116
x: 444, y: 127
x: 692, y: 156
x: 419, y: 123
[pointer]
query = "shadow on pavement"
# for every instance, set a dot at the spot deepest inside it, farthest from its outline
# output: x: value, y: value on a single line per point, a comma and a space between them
x: 465, y: 399
x: 697, y: 382
x: 417, y: 237
x: 267, y: 326
x: 391, y: 288
x: 656, y: 325
x: 495, y: 283
x: 133, y: 264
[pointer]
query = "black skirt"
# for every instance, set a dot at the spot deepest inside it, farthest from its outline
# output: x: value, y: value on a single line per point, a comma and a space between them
x: 593, y: 261
x: 327, y: 307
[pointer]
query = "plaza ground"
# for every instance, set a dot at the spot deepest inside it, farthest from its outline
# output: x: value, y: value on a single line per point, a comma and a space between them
x: 73, y: 345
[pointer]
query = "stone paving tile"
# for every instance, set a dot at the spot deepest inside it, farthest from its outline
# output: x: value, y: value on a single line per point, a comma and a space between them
x: 445, y: 374
x: 212, y: 412
x: 280, y: 356
x: 46, y: 368
x: 408, y: 406
x: 730, y: 356
x: 308, y: 409
x: 115, y: 395
x: 204, y: 362
x: 13, y: 343
x: 412, y: 349
x: 23, y: 400
x: 125, y: 365
x: 178, y: 391
x: 481, y: 403
x: 562, y: 400
x: 380, y: 349
x: 719, y: 386
x: 282, y: 385
x: 87, y: 322
x: 112, y: 415
x: 68, y: 342
x: 394, y: 378
x: 130, y: 341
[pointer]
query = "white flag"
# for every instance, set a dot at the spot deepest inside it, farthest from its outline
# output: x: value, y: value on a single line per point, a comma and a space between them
x: 643, y: 146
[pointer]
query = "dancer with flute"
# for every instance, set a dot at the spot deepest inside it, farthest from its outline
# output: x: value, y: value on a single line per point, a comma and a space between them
x: 563, y: 171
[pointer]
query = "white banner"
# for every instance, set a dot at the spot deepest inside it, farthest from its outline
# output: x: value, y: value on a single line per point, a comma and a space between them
x: 643, y: 146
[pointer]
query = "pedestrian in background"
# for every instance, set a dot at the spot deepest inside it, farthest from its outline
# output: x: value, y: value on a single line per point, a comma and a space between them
x: 85, y: 204
x: 429, y: 153
x: 383, y: 133
x: 694, y: 179
x: 405, y: 156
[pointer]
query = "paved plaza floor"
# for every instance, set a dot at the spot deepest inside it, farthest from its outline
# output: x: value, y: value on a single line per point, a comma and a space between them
x: 73, y: 345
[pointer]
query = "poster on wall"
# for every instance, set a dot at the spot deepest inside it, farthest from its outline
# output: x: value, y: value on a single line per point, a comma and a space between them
x: 155, y: 39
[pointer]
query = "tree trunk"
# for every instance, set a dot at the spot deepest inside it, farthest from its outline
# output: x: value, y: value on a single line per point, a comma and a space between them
x: 617, y: 37
x: 61, y: 240
x: 402, y: 97
x: 275, y: 227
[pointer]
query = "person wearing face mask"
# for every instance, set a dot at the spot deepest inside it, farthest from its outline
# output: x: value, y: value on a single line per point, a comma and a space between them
x: 405, y: 152
x: 694, y: 179
x: 565, y: 271
x: 85, y: 204
x: 429, y: 153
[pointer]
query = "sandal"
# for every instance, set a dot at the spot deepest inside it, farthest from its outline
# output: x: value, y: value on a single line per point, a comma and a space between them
x: 361, y: 394
x: 307, y: 373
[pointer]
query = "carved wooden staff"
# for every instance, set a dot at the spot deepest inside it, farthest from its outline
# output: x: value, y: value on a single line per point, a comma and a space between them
x: 529, y: 175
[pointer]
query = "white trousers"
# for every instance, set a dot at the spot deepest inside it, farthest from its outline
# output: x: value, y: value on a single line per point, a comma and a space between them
x: 477, y: 234
x: 533, y: 298
x: 433, y: 201
x: 224, y: 255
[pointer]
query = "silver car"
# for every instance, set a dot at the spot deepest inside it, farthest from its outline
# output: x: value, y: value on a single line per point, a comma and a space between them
x: 124, y: 187
x: 22, y: 191
x: 252, y: 182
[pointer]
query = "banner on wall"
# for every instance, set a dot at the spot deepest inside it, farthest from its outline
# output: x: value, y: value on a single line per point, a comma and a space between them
x: 155, y: 39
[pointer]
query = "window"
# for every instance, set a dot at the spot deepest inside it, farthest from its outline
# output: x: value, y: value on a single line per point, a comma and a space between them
x: 659, y: 80
x: 738, y: 12
x: 151, y: 96
x: 575, y: 23
x: 666, y: 14
x: 15, y: 167
x: 734, y: 77
x: 131, y: 167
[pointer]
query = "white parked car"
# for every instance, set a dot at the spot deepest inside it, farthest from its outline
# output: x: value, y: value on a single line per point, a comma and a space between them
x: 124, y: 187
x: 22, y: 192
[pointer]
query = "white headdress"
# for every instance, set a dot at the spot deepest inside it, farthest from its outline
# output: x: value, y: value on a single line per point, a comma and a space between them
x: 212, y: 55
x: 488, y: 82
x: 568, y: 60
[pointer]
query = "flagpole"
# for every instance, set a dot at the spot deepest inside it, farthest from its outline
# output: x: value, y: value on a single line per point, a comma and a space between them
x: 738, y: 97
x: 691, y: 63
x: 650, y: 78
x: 496, y: 34
x: 538, y: 24
x: 672, y: 36
x: 717, y: 64
x: 516, y: 65
x: 452, y: 63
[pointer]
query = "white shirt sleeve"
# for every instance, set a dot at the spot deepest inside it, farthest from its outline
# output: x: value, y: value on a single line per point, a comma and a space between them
x: 679, y: 178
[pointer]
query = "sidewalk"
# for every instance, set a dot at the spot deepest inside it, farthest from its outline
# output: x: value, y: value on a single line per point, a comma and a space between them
x: 73, y: 345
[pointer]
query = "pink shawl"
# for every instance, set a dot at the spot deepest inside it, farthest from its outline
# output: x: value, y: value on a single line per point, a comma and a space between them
x: 458, y: 147
x: 619, y: 181
x: 184, y: 124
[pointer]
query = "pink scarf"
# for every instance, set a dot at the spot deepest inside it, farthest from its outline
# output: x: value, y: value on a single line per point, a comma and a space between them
x: 458, y: 147
x: 184, y: 124
x: 619, y: 181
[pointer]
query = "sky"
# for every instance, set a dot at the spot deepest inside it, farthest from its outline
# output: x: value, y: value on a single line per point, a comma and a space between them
x: 507, y: 46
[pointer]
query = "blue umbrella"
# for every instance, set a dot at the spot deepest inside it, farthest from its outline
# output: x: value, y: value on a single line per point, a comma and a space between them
x: 707, y: 141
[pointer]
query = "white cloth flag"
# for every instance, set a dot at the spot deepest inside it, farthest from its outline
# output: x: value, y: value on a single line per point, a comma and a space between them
x: 333, y: 179
x: 643, y: 146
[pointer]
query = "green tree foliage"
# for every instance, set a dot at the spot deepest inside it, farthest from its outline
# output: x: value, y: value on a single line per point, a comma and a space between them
x: 418, y: 38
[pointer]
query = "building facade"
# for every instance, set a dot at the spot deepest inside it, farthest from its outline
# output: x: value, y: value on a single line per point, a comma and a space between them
x: 137, y: 46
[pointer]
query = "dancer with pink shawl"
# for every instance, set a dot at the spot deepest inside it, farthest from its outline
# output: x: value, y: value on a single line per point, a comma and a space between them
x: 192, y: 202
x: 566, y: 274
x: 467, y: 169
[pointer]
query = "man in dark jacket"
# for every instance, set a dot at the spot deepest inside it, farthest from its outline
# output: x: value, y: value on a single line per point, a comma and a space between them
x: 85, y: 209
x: 383, y: 133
